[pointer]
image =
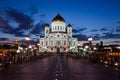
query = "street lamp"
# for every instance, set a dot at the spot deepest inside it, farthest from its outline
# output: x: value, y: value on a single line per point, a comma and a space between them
x: 90, y: 41
x: 86, y: 47
x: 27, y: 38
x: 78, y: 47
x: 91, y: 47
x: 38, y: 47
x: 30, y: 46
x: 18, y: 51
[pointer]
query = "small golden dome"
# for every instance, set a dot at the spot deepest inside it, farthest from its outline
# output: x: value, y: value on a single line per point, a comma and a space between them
x: 47, y: 26
x: 69, y: 25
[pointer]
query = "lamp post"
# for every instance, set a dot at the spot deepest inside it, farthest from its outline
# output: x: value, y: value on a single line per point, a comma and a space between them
x: 39, y: 47
x: 27, y: 38
x: 91, y: 48
x: 78, y: 47
x: 90, y: 41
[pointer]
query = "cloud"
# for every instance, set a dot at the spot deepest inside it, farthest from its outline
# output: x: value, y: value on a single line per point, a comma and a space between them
x: 2, y: 22
x: 75, y: 30
x: 94, y: 30
x: 118, y: 22
x: 82, y: 29
x: 118, y: 30
x: 22, y: 24
x: 23, y: 20
x: 81, y: 37
x: 43, y: 15
x: 4, y: 26
x: 103, y: 29
x: 33, y: 9
x: 79, y: 30
x: 20, y: 34
x: 96, y: 37
x: 39, y: 28
x: 3, y: 39
x: 10, y: 30
x: 110, y: 35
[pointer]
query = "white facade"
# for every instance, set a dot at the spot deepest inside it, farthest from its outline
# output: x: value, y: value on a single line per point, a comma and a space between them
x: 58, y: 37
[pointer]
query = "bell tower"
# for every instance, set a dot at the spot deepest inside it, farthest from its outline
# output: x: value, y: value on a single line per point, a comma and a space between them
x: 69, y: 30
x: 47, y: 29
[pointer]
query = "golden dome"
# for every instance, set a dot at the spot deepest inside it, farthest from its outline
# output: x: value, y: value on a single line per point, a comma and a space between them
x: 58, y: 18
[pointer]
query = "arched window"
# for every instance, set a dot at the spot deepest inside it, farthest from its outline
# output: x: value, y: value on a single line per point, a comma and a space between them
x: 47, y: 31
x: 55, y: 27
x: 52, y: 43
x: 64, y: 42
x: 46, y: 43
x: 42, y: 43
x: 58, y: 43
x: 58, y: 27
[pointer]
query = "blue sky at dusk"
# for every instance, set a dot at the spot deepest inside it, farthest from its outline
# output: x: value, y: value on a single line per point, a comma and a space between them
x: 97, y: 18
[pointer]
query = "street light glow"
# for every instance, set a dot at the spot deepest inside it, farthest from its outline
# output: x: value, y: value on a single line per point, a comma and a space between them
x: 30, y: 46
x: 116, y: 64
x: 86, y: 47
x: 27, y: 38
x: 90, y: 39
x: 95, y: 48
x: 18, y: 51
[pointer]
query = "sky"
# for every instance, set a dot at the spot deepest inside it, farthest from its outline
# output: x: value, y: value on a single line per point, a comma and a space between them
x: 99, y: 19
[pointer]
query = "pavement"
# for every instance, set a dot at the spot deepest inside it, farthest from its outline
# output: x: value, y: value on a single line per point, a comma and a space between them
x: 59, y: 68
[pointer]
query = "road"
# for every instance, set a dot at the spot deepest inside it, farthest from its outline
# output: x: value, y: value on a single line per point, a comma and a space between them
x: 59, y: 68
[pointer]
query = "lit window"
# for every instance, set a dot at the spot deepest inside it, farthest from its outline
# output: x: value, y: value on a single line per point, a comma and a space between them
x: 46, y: 43
x: 46, y: 31
x: 55, y: 27
x: 42, y: 43
x: 64, y: 42
x: 51, y: 42
x: 58, y: 27
x: 69, y: 43
x: 58, y: 43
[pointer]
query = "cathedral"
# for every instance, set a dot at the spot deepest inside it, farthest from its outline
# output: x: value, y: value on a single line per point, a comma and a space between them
x: 58, y: 37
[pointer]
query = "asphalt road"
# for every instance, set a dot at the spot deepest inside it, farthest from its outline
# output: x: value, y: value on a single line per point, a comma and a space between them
x: 59, y: 68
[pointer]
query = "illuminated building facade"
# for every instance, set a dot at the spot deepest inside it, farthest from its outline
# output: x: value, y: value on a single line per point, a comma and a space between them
x: 58, y: 37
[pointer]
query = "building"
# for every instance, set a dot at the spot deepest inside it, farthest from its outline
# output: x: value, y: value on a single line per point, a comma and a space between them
x: 58, y: 37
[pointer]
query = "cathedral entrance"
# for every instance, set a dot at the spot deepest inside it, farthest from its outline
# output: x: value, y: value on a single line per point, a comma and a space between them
x: 58, y: 49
